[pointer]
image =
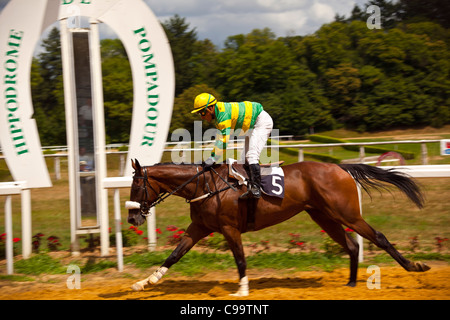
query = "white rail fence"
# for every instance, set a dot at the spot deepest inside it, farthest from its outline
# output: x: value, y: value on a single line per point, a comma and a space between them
x: 238, y: 145
x: 16, y: 188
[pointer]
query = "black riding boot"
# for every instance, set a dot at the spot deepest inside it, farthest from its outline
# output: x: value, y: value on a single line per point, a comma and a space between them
x: 254, y: 183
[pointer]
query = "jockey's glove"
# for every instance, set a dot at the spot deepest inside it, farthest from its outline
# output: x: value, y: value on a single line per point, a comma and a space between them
x: 209, y: 163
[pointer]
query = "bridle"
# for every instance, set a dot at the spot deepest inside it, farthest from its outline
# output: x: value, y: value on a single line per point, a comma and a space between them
x: 144, y: 205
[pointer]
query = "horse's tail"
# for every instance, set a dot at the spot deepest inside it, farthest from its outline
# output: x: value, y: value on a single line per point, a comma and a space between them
x: 366, y: 175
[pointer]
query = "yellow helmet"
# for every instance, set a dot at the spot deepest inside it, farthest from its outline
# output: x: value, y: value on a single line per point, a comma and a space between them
x: 202, y: 101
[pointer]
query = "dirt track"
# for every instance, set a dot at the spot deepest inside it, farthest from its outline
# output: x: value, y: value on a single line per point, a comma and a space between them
x: 264, y: 285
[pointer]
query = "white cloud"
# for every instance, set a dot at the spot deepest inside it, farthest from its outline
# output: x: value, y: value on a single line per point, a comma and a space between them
x: 216, y: 20
x: 322, y: 12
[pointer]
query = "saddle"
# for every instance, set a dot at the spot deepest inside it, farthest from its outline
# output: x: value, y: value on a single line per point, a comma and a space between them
x: 272, y: 177
x: 272, y: 184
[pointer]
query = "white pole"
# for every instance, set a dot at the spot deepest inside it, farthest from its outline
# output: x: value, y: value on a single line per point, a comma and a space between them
x: 117, y: 219
x: 99, y: 129
x: 151, y: 230
x: 57, y: 164
x: 69, y: 102
x: 26, y: 223
x: 359, y: 239
x: 9, y: 236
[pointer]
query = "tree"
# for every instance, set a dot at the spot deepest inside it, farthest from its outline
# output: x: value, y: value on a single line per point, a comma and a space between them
x: 117, y: 90
x: 182, y: 42
x: 182, y: 118
x: 47, y: 91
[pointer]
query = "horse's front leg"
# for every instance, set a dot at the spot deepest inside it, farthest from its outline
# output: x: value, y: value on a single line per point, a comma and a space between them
x: 233, y: 237
x: 192, y: 235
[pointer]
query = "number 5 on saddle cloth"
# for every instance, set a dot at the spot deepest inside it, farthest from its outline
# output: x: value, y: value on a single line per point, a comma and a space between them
x: 272, y: 184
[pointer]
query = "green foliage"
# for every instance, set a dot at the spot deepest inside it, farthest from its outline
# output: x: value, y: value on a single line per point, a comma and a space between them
x: 47, y: 91
x: 38, y: 264
x: 117, y: 90
x: 343, y: 75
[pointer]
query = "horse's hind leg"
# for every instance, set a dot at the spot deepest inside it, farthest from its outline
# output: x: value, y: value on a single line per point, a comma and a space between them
x: 336, y: 232
x: 366, y: 231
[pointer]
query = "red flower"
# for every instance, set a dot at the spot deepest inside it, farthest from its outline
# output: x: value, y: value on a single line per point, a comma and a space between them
x: 139, y: 232
x: 349, y: 230
x: 180, y: 232
x: 16, y: 240
x: 322, y: 231
x: 158, y: 231
x: 211, y: 234
x: 171, y: 228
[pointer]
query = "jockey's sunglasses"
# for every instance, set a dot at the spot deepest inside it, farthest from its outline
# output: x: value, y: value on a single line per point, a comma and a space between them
x: 203, y: 112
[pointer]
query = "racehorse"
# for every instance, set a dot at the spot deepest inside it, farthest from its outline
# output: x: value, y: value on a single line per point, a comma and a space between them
x: 327, y: 192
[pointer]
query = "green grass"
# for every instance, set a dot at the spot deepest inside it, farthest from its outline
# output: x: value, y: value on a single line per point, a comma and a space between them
x: 39, y: 264
x: 44, y: 264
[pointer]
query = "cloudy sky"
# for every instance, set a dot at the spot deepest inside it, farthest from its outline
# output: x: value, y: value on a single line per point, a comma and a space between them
x: 218, y: 19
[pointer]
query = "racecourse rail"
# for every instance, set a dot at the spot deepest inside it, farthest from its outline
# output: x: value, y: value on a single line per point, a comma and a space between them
x: 10, y: 188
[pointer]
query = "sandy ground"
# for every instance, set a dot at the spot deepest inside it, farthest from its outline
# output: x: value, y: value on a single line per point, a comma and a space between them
x: 264, y: 285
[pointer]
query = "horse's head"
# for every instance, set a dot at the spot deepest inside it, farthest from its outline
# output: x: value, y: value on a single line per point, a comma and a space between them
x: 144, y: 191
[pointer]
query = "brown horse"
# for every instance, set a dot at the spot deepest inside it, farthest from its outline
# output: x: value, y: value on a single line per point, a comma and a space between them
x: 328, y: 193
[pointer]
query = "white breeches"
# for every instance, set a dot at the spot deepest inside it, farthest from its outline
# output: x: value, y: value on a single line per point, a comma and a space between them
x: 258, y: 138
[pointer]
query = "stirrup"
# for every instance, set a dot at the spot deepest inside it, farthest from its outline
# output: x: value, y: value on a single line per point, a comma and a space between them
x: 256, y: 193
x: 253, y: 192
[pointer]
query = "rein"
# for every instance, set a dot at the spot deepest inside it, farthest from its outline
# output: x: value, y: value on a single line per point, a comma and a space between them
x: 145, y: 207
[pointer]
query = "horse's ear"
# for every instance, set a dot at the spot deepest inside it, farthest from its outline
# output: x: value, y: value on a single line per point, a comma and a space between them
x: 136, y: 165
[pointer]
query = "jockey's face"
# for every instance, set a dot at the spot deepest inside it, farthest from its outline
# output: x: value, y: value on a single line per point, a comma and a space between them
x: 208, y: 114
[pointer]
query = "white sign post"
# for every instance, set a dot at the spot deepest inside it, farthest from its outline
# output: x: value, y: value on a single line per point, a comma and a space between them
x: 21, y: 24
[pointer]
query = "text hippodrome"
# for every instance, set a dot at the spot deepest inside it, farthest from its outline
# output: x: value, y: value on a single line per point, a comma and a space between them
x: 11, y: 66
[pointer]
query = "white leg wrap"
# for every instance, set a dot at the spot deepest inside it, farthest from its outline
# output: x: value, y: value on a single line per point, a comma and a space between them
x: 243, y: 288
x: 154, y: 278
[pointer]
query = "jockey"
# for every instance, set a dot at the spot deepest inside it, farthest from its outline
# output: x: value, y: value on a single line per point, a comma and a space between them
x: 234, y: 116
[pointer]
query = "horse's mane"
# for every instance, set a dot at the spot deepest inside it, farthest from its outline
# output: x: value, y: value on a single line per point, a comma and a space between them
x: 180, y: 164
x: 172, y: 163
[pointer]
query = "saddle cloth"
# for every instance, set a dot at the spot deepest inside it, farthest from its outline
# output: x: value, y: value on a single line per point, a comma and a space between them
x: 272, y: 178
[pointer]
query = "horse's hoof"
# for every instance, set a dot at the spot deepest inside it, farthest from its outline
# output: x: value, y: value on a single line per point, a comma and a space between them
x: 421, y: 267
x: 137, y: 287
x: 351, y: 284
x: 240, y: 293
